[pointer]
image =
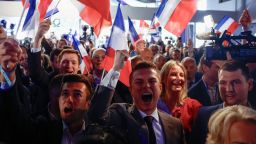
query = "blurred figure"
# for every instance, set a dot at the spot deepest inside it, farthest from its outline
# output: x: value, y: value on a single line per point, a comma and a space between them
x: 54, y: 60
x: 135, y: 60
x: 147, y: 55
x: 166, y: 53
x: 140, y: 45
x: 98, y: 57
x: 234, y: 124
x: 24, y: 61
x: 188, y: 50
x: 206, y: 89
x: 61, y: 43
x: 154, y: 48
x: 192, y: 75
x: 159, y: 60
x: 175, y: 54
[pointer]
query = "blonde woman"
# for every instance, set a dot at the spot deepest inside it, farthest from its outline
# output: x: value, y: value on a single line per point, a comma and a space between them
x: 174, y: 98
x: 232, y: 125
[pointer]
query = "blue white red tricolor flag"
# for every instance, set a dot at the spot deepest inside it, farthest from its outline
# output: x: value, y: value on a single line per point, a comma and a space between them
x: 134, y: 35
x: 118, y: 41
x: 36, y: 13
x: 174, y: 15
x: 85, y: 65
x: 154, y: 30
x: 227, y: 23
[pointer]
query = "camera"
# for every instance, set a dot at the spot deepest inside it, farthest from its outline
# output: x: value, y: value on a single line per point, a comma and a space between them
x: 234, y: 45
x: 247, y: 54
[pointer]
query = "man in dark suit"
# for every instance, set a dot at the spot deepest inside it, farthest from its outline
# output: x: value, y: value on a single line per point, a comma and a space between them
x: 234, y: 85
x: 145, y: 88
x: 17, y: 125
x: 206, y: 90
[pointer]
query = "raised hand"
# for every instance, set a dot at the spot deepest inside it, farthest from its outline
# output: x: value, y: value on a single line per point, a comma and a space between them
x: 10, y: 53
x: 42, y: 29
x: 120, y: 58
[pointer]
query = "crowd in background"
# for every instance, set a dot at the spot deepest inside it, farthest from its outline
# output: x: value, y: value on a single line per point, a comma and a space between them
x: 50, y: 100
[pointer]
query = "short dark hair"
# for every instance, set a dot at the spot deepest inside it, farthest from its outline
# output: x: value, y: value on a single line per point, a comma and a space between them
x: 78, y: 78
x: 55, y: 52
x: 204, y: 61
x: 143, y: 65
x: 234, y: 65
x: 55, y: 81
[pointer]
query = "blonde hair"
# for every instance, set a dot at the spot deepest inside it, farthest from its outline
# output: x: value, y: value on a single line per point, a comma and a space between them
x: 164, y: 77
x: 221, y: 121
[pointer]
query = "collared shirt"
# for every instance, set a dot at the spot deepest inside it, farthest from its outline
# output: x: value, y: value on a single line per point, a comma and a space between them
x: 213, y: 93
x: 157, y: 126
x: 68, y: 138
x: 35, y: 50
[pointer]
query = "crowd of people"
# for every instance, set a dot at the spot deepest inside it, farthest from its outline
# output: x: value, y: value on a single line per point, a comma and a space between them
x: 176, y: 95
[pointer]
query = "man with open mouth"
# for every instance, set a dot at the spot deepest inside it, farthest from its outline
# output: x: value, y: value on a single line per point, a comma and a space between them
x: 140, y: 122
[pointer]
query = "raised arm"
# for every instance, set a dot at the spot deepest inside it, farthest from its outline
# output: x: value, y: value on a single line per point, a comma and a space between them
x: 37, y: 72
x: 103, y: 95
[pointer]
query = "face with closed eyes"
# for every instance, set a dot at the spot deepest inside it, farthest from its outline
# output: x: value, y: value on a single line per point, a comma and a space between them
x: 73, y: 101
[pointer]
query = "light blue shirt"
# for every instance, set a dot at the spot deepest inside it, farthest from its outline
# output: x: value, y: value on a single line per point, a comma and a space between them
x: 68, y: 138
x: 159, y: 133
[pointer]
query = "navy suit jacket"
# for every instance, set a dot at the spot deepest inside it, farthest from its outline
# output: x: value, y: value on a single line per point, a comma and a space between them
x: 199, y: 92
x: 200, y: 126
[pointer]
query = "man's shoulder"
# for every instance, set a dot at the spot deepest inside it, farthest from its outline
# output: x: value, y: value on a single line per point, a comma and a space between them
x: 208, y: 110
x: 198, y: 84
x: 120, y: 106
x: 211, y: 108
x: 168, y: 118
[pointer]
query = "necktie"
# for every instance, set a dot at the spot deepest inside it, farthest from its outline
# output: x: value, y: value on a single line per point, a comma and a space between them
x: 152, y: 137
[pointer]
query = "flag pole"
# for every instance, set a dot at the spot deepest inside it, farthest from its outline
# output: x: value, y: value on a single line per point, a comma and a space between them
x: 54, y: 9
x: 22, y: 14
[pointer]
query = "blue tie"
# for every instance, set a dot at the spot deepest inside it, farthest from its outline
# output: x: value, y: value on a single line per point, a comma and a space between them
x: 152, y: 137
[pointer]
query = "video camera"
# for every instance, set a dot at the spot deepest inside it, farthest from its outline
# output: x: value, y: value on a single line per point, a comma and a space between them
x: 232, y: 44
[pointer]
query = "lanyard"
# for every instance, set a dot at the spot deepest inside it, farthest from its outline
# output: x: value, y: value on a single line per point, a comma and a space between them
x: 5, y: 76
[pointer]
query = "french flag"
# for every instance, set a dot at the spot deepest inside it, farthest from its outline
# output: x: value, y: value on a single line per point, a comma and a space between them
x: 174, y: 15
x: 36, y: 13
x: 94, y: 12
x: 154, y: 25
x: 118, y: 41
x: 134, y: 35
x: 85, y: 65
x: 154, y: 22
x: 227, y: 23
